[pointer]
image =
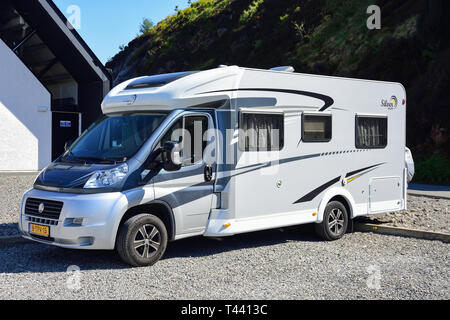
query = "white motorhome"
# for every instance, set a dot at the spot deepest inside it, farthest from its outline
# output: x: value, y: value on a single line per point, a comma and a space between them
x: 222, y: 152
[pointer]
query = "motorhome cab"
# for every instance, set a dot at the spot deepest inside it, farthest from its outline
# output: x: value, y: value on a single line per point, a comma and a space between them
x: 222, y: 152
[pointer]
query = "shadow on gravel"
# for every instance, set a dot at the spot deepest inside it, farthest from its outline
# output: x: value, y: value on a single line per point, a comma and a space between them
x: 372, y: 219
x: 9, y: 225
x: 201, y: 246
x: 8, y: 229
x: 36, y: 257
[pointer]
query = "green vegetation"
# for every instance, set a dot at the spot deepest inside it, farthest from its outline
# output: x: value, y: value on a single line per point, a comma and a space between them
x: 146, y: 26
x: 248, y: 14
x: 435, y: 169
x: 327, y: 37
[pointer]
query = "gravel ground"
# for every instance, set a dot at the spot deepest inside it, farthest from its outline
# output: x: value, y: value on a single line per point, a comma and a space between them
x: 288, y: 263
x: 276, y: 264
x: 423, y: 214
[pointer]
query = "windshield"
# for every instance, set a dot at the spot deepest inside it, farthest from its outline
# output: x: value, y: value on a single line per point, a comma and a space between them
x: 115, y: 137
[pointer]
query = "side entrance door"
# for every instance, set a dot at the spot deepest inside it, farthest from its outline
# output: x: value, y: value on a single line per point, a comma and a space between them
x: 189, y: 191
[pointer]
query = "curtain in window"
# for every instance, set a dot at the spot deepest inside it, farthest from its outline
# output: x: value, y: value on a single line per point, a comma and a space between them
x: 261, y: 132
x: 371, y: 132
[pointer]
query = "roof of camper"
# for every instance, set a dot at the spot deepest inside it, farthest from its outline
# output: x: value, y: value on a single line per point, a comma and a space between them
x: 190, y: 89
x: 170, y: 91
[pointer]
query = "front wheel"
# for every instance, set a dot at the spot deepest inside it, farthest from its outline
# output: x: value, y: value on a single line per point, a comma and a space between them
x: 142, y: 240
x: 335, y: 222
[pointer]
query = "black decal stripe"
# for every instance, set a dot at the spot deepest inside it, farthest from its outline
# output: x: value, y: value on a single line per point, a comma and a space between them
x: 258, y: 166
x: 363, y: 169
x: 328, y: 101
x: 310, y: 196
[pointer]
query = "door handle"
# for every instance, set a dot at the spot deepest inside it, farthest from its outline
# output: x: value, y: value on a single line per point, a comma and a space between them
x: 208, y: 173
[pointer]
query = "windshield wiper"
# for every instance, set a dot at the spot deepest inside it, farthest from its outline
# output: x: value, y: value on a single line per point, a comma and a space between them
x: 70, y: 153
x: 98, y: 159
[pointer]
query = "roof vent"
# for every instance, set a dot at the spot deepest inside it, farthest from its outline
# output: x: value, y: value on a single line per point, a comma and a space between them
x: 284, y: 68
x: 157, y: 80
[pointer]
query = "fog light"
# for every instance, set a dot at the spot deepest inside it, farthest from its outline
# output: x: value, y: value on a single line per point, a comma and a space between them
x: 73, y: 222
x: 86, y: 241
x: 78, y: 221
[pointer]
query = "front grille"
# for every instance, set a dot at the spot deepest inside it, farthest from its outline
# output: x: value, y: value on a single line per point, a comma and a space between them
x: 49, y: 222
x: 52, y: 209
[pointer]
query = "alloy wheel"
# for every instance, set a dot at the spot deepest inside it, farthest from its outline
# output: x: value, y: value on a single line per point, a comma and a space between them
x: 147, y: 241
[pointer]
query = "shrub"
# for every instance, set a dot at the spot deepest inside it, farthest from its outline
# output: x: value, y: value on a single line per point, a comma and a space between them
x: 284, y: 17
x: 434, y: 170
x: 146, y: 26
x: 248, y: 14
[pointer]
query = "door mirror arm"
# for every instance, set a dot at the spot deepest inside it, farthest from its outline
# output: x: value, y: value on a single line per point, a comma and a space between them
x: 168, y: 157
x: 154, y: 162
x: 68, y: 144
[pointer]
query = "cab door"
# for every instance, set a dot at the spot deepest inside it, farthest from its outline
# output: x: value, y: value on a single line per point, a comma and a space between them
x: 189, y: 191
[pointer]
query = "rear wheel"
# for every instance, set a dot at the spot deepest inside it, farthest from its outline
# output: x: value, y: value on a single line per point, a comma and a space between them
x: 335, y: 222
x: 142, y: 240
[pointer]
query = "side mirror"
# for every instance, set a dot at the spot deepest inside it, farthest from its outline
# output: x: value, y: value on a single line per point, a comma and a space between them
x: 171, y: 155
x: 68, y: 144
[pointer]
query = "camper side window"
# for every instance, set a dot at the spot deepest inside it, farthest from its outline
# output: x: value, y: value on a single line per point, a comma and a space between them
x: 261, y: 132
x: 371, y: 132
x: 316, y: 128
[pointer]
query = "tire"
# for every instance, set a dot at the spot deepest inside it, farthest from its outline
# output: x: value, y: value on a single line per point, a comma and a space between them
x: 335, y: 222
x: 142, y: 240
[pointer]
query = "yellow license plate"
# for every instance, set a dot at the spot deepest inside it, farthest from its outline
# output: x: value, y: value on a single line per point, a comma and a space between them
x: 40, y: 230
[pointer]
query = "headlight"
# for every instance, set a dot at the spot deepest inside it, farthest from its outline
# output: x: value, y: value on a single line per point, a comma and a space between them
x: 107, y: 178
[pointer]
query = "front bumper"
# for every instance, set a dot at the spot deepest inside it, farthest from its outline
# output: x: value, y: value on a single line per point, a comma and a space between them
x: 101, y: 214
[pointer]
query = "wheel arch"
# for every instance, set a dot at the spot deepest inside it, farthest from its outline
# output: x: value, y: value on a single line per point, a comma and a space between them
x: 336, y: 194
x: 158, y: 208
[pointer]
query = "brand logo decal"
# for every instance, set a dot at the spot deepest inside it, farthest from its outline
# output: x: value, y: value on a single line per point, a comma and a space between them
x: 131, y: 100
x: 41, y: 208
x: 390, y: 104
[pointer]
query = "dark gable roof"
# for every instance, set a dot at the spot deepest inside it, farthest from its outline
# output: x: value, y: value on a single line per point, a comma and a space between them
x: 65, y: 43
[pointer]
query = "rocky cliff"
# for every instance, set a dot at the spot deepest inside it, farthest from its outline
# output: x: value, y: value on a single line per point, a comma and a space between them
x: 327, y: 37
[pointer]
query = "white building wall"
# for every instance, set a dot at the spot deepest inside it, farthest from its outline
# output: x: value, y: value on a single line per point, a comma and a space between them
x: 25, y: 116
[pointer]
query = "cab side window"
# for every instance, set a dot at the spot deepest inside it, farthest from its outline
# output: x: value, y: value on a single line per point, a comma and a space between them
x: 189, y: 131
x: 175, y: 133
x: 193, y: 142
